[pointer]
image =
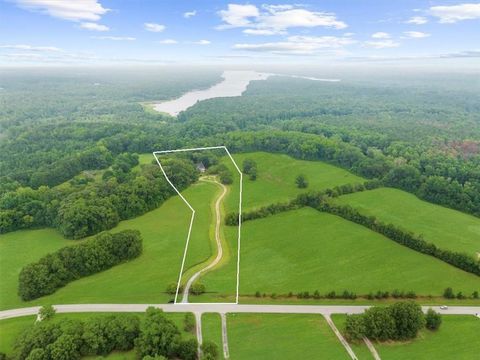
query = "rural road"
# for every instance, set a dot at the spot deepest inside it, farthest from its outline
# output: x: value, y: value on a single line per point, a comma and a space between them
x: 218, y: 222
x: 325, y: 310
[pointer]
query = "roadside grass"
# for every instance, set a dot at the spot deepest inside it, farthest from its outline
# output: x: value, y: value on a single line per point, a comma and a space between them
x: 276, y: 175
x: 11, y: 328
x: 281, y: 336
x: 359, y: 348
x: 212, y: 330
x: 457, y: 338
x: 143, y: 280
x: 305, y: 250
x: 446, y: 228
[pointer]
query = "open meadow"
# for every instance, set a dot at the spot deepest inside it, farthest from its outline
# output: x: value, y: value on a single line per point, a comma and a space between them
x: 282, y: 336
x: 446, y: 228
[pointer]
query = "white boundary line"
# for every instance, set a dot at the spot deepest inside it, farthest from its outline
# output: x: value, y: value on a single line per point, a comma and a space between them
x: 155, y: 153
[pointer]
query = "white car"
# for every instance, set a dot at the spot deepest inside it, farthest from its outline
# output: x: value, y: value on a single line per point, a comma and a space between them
x: 444, y: 307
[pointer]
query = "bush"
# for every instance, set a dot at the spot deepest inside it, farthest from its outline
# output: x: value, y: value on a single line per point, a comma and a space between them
x: 46, y: 312
x: 433, y: 320
x: 209, y: 350
x: 354, y: 327
x: 172, y: 289
x: 448, y: 293
x: 74, y: 262
x: 301, y: 181
x: 189, y: 322
x: 197, y: 289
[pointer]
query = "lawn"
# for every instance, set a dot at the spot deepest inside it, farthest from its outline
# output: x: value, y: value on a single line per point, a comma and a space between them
x: 359, y: 348
x: 457, y: 338
x: 142, y: 280
x: 11, y: 328
x: 282, y: 336
x: 276, y: 175
x: 212, y: 330
x: 305, y: 250
x: 446, y: 228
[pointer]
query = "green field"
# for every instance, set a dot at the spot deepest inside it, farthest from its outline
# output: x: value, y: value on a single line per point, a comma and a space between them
x: 457, y: 338
x: 282, y: 336
x: 446, y: 228
x: 142, y: 280
x: 305, y: 250
x: 212, y: 330
x: 276, y: 175
x: 11, y: 328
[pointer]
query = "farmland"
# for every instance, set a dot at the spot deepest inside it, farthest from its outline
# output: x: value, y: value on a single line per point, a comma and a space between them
x: 446, y: 228
x: 261, y: 336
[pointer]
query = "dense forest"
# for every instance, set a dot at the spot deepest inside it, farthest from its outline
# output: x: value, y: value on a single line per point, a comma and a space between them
x: 68, y: 138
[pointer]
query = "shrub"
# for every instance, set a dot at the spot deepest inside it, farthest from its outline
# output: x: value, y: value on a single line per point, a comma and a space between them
x: 301, y: 181
x: 209, y: 350
x: 448, y: 293
x: 46, y: 312
x: 189, y: 322
x: 73, y: 262
x: 197, y: 289
x: 433, y: 320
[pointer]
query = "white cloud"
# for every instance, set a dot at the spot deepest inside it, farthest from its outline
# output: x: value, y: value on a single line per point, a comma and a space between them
x: 168, y: 42
x: 31, y: 48
x: 94, y: 26
x: 455, y: 13
x: 275, y: 19
x: 238, y: 15
x: 153, y: 27
x: 79, y: 10
x: 259, y: 32
x: 416, y: 34
x: 189, y: 14
x: 382, y: 44
x: 299, y: 45
x: 202, y: 42
x: 115, y: 38
x: 381, y: 35
x: 417, y: 20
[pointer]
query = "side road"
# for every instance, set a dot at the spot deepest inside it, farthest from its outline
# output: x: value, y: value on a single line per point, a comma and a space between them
x: 325, y: 310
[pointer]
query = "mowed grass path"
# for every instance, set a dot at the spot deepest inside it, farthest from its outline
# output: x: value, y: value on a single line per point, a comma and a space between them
x: 142, y: 280
x: 282, y: 337
x: 276, y: 175
x: 306, y: 250
x: 446, y: 228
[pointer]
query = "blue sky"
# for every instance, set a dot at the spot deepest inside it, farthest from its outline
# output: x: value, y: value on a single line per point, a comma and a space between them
x: 206, y: 32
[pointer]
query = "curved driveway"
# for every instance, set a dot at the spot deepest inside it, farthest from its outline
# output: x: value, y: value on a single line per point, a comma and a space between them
x: 218, y: 241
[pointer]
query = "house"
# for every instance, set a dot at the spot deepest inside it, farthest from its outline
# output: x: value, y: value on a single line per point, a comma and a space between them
x: 201, y: 167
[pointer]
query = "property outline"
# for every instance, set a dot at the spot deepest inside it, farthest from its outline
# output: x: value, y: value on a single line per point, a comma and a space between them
x: 193, y: 212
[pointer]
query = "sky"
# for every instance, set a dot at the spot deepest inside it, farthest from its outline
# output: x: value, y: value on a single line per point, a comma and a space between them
x: 36, y: 32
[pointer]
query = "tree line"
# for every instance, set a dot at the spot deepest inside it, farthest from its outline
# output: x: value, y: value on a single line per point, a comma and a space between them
x: 70, y: 263
x: 86, y: 208
x: 320, y: 200
x: 152, y: 337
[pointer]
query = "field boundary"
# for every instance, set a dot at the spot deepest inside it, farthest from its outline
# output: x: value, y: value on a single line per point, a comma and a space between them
x: 155, y: 153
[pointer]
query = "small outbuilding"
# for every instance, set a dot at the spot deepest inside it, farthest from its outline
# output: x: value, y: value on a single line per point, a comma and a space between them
x: 201, y: 167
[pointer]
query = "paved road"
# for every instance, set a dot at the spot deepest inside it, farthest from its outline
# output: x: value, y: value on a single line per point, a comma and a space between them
x: 218, y: 240
x: 224, y: 308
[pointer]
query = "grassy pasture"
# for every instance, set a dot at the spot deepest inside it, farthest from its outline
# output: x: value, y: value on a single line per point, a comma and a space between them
x: 281, y: 336
x: 144, y: 279
x: 305, y: 250
x: 276, y: 175
x: 446, y: 228
x: 212, y: 330
x: 457, y: 338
